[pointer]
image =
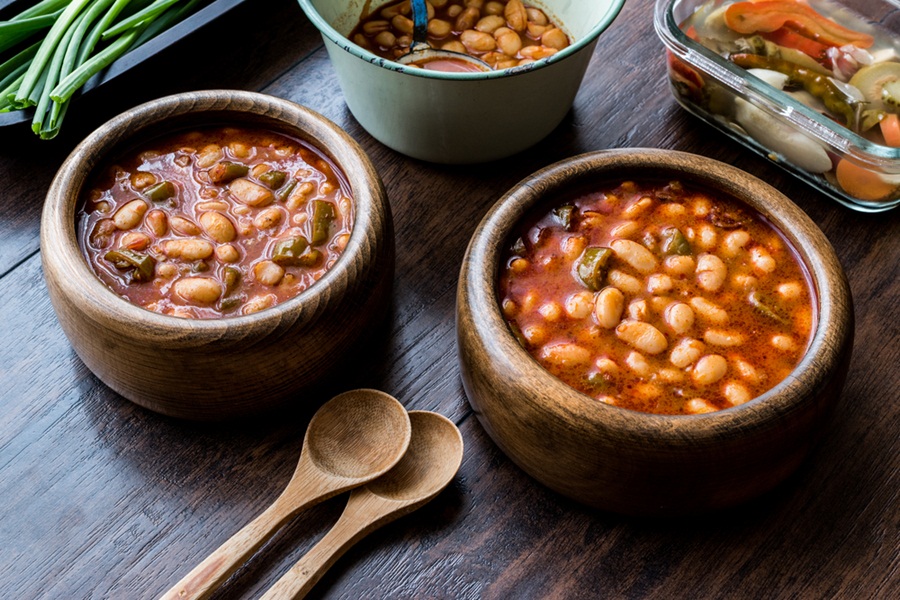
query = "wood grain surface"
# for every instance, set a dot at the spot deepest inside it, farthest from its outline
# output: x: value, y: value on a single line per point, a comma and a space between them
x: 103, y: 499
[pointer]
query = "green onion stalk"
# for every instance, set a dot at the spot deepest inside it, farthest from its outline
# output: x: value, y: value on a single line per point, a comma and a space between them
x: 49, y: 51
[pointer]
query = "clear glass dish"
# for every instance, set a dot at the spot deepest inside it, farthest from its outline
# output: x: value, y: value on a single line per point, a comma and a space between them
x: 805, y: 142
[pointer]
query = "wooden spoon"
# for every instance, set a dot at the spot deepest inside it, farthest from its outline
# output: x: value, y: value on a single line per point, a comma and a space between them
x: 434, y: 455
x: 354, y: 438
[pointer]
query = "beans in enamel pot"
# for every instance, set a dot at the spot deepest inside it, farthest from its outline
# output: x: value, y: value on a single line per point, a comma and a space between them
x: 503, y: 33
x: 215, y: 222
x: 695, y: 302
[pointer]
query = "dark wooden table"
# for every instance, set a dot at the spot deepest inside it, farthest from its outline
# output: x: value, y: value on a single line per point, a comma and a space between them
x: 102, y: 499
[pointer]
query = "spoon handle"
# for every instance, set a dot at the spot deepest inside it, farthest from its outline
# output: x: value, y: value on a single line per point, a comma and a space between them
x: 365, y: 512
x: 203, y: 580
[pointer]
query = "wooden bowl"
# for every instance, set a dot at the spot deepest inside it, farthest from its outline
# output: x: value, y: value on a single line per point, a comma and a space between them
x: 626, y: 461
x: 224, y: 368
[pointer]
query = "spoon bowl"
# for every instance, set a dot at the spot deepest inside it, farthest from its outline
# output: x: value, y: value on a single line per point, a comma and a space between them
x: 434, y: 455
x: 354, y: 438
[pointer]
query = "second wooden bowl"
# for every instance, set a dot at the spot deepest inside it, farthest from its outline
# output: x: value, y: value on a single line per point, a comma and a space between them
x: 222, y: 368
x: 627, y: 461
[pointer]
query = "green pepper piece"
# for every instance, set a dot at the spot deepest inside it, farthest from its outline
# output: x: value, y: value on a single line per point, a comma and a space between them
x: 225, y: 171
x: 674, y: 242
x: 232, y: 279
x: 160, y: 192
x: 518, y: 247
x: 285, y: 192
x: 766, y: 308
x: 819, y: 85
x: 565, y: 215
x: 597, y: 381
x: 592, y: 266
x: 288, y: 253
x: 322, y: 218
x: 310, y: 258
x: 142, y: 265
x: 273, y: 179
x: 230, y: 303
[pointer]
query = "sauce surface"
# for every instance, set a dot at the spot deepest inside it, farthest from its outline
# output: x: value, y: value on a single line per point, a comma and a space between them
x: 658, y: 298
x: 215, y: 222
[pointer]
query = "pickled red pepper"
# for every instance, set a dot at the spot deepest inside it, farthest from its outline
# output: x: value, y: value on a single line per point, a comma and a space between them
x: 772, y: 15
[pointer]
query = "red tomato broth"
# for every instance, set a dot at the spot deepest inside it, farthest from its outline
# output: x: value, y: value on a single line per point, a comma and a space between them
x: 187, y: 160
x: 554, y: 314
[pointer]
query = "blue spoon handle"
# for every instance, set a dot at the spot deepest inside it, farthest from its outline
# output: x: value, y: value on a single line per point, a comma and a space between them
x: 420, y: 21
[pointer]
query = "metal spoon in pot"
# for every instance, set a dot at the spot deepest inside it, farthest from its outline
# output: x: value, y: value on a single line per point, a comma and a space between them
x: 432, y: 460
x: 420, y: 52
x: 354, y: 438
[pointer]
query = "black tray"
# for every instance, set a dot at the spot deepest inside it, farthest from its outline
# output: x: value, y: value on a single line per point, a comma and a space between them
x: 204, y: 16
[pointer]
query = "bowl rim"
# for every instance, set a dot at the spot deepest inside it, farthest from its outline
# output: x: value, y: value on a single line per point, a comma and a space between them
x: 330, y: 33
x: 481, y: 267
x: 59, y: 243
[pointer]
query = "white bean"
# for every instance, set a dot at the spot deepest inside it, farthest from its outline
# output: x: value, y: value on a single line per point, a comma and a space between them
x: 535, y: 334
x: 642, y: 336
x: 709, y: 311
x: 790, y: 290
x: 638, y: 257
x: 637, y: 310
x: 198, y: 290
x: 698, y: 406
x: 761, y: 260
x: 516, y: 15
x: 711, y: 272
x: 218, y: 227
x: 157, y: 222
x: 258, y: 303
x: 551, y: 311
x: 606, y: 365
x: 637, y: 363
x: 130, y: 215
x: 250, y: 193
x: 268, y: 273
x: 626, y: 229
x: 566, y: 354
x: 625, y: 282
x: 184, y: 226
x: 191, y: 249
x: 679, y: 265
x: 706, y: 237
x: 686, y: 352
x: 659, y: 284
x: 746, y: 371
x: 269, y: 218
x: 720, y: 337
x: 709, y: 369
x: 734, y: 242
x: 608, y: 307
x: 227, y: 253
x: 736, y: 393
x: 680, y: 317
x: 579, y: 304
x: 784, y: 343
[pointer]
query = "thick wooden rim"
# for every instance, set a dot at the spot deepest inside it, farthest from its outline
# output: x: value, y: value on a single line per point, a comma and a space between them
x: 61, y: 253
x: 480, y: 307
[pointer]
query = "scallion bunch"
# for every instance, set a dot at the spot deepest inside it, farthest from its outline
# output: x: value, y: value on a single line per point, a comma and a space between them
x: 49, y: 51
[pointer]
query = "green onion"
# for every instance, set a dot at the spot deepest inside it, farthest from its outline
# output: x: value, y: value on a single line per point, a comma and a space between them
x: 140, y: 17
x: 82, y: 38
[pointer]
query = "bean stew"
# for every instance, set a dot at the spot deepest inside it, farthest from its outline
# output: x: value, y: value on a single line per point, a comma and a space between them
x: 503, y: 33
x: 215, y: 222
x: 658, y: 298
